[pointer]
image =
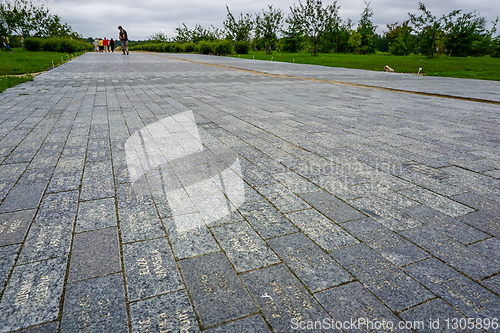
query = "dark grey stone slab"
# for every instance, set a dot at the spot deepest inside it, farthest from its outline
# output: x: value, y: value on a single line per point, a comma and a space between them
x: 446, y: 224
x: 58, y: 205
x: 97, y: 188
x: 433, y: 316
x: 282, y: 298
x: 316, y: 269
x: 165, y: 313
x: 94, y: 253
x: 23, y: 196
x: 140, y: 222
x: 352, y: 306
x: 47, y: 239
x: 65, y: 181
x: 9, y: 174
x: 436, y: 201
x: 96, y: 214
x: 32, y: 295
x: 390, y: 245
x: 244, y: 248
x: 282, y: 198
x: 462, y: 293
x: 44, y: 328
x: 246, y: 325
x: 98, y: 154
x: 150, y: 269
x: 189, y: 236
x: 459, y: 256
x: 296, y: 183
x: 492, y: 284
x: 128, y: 195
x: 489, y: 247
x: 174, y: 203
x: 332, y: 207
x: 321, y: 230
x: 215, y: 209
x: 98, y: 169
x: 13, y: 226
x: 216, y: 291
x: 390, y: 284
x: 8, y: 256
x: 256, y: 177
x: 95, y: 305
x: 475, y: 201
x: 266, y: 219
x: 391, y: 218
x: 483, y: 220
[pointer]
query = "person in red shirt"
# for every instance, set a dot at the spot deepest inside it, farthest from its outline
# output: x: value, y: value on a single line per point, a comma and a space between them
x: 105, y: 43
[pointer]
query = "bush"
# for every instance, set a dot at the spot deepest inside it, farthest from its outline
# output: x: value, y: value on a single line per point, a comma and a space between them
x: 189, y: 47
x: 56, y: 44
x: 205, y: 47
x: 241, y: 47
x: 166, y: 47
x: 223, y: 47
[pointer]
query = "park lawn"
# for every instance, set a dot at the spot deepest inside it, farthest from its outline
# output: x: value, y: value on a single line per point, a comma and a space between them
x: 484, y: 68
x: 22, y: 61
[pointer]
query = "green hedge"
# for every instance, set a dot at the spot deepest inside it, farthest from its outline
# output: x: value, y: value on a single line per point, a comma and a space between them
x: 56, y: 44
x: 222, y: 47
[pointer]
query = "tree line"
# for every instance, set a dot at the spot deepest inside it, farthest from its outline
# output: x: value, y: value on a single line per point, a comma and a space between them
x: 316, y: 27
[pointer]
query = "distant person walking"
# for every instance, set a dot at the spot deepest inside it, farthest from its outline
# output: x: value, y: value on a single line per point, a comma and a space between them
x: 105, y: 44
x: 6, y: 43
x: 123, y: 39
x: 96, y: 45
x: 112, y: 45
x: 101, y: 45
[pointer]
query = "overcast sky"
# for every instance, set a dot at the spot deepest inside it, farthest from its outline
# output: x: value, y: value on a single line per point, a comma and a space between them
x: 141, y: 18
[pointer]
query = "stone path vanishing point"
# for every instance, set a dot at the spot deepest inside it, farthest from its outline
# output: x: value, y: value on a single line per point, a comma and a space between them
x: 153, y: 194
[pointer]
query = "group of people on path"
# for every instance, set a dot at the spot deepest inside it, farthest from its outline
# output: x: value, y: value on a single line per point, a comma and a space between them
x: 105, y: 45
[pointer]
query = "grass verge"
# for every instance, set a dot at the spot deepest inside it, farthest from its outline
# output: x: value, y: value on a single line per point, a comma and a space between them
x: 10, y: 81
x: 484, y: 68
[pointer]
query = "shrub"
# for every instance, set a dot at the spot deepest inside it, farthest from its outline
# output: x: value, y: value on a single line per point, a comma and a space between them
x: 55, y: 44
x: 33, y: 44
x: 241, y: 47
x: 205, y: 47
x: 223, y: 47
x: 177, y: 48
x: 189, y: 47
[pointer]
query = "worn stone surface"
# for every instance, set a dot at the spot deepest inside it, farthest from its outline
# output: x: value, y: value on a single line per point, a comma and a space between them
x: 150, y: 269
x: 246, y: 325
x: 434, y: 315
x: 321, y: 230
x: 281, y: 297
x: 244, y: 248
x: 94, y: 253
x: 165, y: 313
x: 354, y: 305
x: 95, y: 305
x: 315, y: 268
x: 185, y: 153
x: 384, y: 280
x: 32, y: 294
x: 390, y: 245
x: 216, y: 291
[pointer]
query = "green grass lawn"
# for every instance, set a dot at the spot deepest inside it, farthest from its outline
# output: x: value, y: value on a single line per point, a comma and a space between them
x: 484, y: 68
x: 24, y: 62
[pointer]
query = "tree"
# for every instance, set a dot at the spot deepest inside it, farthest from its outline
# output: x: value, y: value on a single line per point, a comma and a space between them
x: 336, y: 37
x: 25, y: 19
x: 158, y: 37
x: 238, y: 30
x: 367, y: 30
x: 467, y: 35
x: 268, y: 25
x: 429, y: 29
x: 355, y: 40
x: 184, y: 35
x: 399, y: 38
x: 293, y: 39
x: 313, y: 19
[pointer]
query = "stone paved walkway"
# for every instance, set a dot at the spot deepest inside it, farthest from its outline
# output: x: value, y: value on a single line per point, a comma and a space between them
x: 149, y: 194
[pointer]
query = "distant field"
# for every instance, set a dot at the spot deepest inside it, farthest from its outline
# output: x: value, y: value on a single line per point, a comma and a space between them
x: 23, y: 62
x: 483, y: 68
